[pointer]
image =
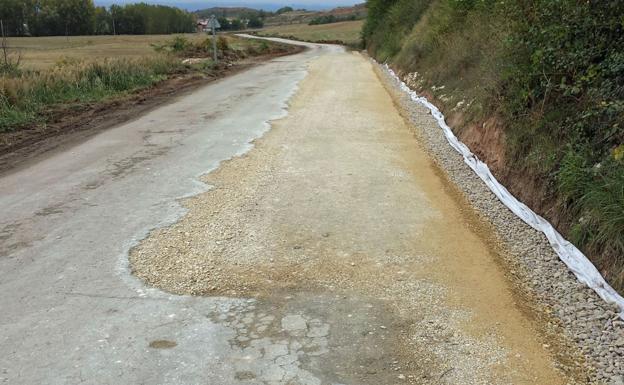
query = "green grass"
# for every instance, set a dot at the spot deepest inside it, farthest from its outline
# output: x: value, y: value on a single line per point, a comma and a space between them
x: 594, y: 193
x: 23, y: 98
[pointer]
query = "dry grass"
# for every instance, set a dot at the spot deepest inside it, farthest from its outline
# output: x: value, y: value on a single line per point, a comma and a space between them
x: 45, y: 52
x: 24, y: 98
x: 347, y: 32
x: 82, y: 70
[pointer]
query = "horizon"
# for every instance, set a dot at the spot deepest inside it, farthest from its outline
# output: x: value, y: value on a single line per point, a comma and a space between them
x: 267, y: 5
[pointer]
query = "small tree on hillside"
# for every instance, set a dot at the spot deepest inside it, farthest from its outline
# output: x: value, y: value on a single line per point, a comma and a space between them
x: 255, y: 22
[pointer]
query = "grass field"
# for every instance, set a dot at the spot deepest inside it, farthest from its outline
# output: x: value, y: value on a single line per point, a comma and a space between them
x: 57, y: 72
x: 347, y: 32
x: 45, y: 52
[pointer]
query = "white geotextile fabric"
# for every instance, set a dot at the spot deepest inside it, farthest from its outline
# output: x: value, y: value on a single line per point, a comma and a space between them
x: 576, y: 261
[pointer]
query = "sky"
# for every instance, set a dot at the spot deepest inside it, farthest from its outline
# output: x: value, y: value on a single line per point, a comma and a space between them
x: 268, y: 5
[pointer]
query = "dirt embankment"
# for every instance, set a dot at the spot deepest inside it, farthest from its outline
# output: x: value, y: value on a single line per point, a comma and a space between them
x: 70, y: 123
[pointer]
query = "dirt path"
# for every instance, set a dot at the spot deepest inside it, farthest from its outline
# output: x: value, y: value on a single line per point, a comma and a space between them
x: 365, y: 266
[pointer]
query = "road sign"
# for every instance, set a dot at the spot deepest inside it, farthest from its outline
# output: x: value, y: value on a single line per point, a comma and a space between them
x: 213, y: 23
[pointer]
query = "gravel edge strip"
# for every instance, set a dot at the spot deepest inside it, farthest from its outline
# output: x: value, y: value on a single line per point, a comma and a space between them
x: 587, y: 323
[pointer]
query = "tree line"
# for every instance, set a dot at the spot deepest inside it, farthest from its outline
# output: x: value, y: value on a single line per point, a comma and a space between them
x: 240, y: 24
x: 329, y: 19
x: 82, y: 17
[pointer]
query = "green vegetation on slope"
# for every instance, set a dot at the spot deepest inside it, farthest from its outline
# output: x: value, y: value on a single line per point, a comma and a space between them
x: 552, y: 72
x: 328, y: 19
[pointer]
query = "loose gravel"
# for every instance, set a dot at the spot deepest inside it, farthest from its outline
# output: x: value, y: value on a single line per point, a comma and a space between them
x: 570, y: 309
x: 337, y: 215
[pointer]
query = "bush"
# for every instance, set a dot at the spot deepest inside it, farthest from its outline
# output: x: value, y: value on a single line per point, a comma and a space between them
x: 179, y: 44
x: 222, y: 44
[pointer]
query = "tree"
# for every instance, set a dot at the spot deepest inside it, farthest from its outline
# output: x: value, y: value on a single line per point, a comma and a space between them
x: 237, y: 25
x: 103, y: 22
x: 14, y: 14
x: 225, y: 23
x: 255, y: 22
x: 284, y: 10
x: 81, y: 17
x: 77, y: 16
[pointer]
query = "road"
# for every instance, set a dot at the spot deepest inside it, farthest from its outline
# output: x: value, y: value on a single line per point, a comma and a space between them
x: 332, y: 251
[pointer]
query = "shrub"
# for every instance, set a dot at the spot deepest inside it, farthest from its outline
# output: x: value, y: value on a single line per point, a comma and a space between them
x: 179, y: 44
x: 223, y: 45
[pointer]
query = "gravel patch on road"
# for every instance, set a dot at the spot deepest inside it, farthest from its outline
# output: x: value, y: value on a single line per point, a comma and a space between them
x: 337, y: 216
x: 570, y: 309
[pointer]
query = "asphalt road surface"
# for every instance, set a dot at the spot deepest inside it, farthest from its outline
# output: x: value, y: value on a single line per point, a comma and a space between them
x: 331, y: 252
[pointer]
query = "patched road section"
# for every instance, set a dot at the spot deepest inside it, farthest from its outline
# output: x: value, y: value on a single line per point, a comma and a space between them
x: 345, y: 255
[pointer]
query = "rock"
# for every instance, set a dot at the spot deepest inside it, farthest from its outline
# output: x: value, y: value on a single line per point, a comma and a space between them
x: 294, y: 322
x: 617, y: 380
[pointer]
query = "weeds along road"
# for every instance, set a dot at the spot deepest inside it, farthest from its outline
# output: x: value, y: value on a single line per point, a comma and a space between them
x: 330, y: 253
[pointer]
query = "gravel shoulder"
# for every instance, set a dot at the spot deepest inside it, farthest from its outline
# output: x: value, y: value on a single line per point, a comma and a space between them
x: 588, y: 334
x: 338, y: 215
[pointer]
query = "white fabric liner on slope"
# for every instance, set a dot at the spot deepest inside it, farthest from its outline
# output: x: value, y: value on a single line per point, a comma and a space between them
x: 576, y: 261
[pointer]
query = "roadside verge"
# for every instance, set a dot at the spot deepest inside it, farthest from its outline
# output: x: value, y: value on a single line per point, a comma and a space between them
x: 589, y: 325
x: 68, y: 124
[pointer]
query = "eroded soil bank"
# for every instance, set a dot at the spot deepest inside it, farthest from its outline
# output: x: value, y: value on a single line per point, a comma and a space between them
x: 339, y: 213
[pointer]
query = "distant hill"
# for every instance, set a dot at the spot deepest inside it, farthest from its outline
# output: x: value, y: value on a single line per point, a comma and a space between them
x: 298, y: 16
x: 197, y: 5
x: 228, y: 12
x: 357, y: 12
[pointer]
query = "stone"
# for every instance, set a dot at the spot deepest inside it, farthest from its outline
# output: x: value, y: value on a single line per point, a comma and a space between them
x: 294, y: 322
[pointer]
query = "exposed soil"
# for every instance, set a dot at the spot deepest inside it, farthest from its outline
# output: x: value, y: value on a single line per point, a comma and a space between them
x: 70, y: 124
